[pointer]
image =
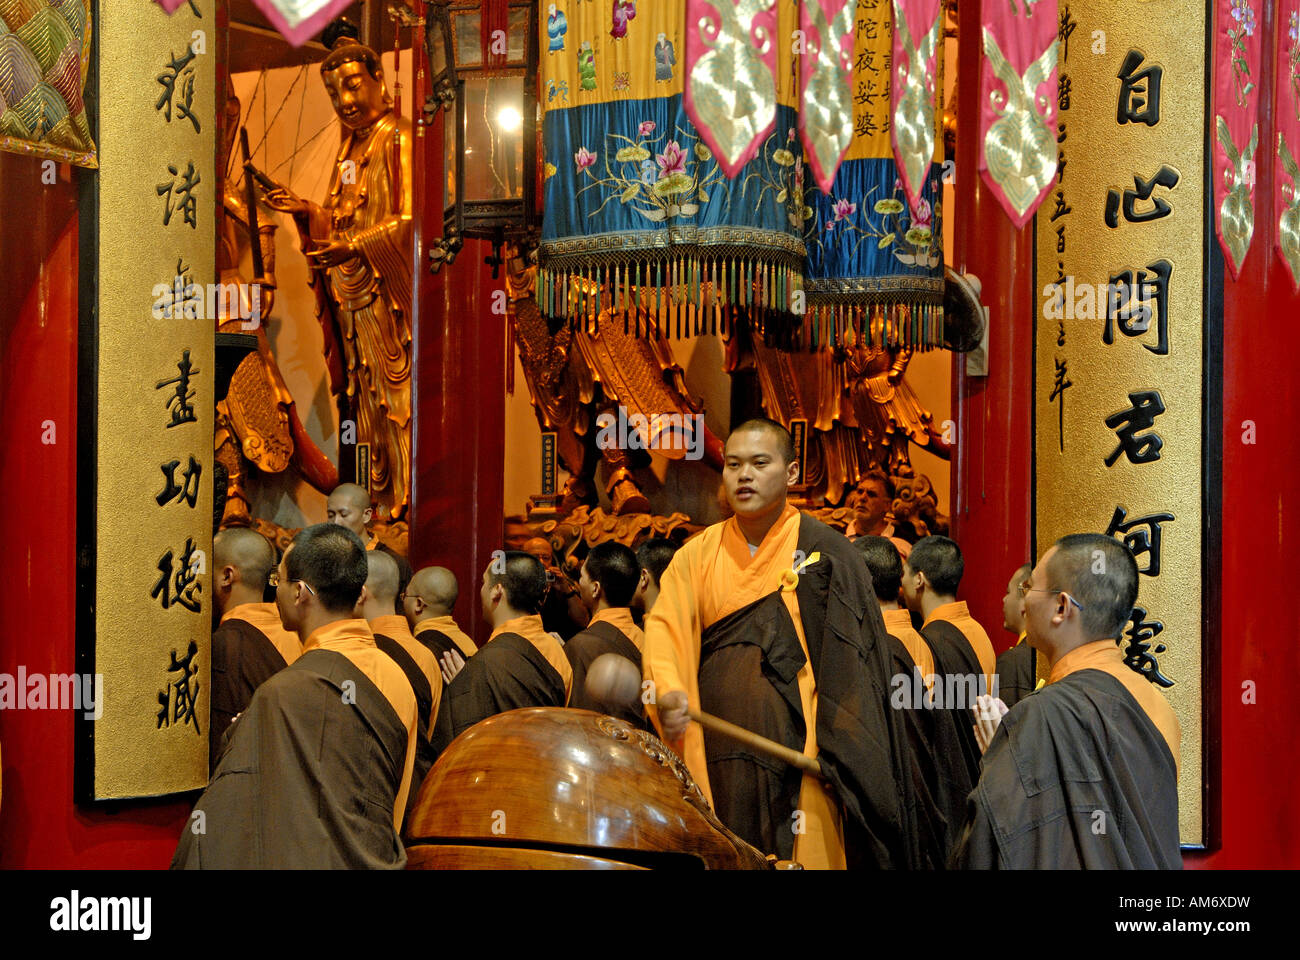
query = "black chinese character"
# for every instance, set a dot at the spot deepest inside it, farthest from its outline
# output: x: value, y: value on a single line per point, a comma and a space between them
x: 1129, y: 304
x: 185, y: 579
x: 189, y: 492
x: 179, y: 698
x: 180, y: 402
x: 1139, y: 540
x: 1139, y: 93
x: 1137, y: 655
x: 1061, y: 208
x: 867, y: 92
x: 178, y: 69
x: 1166, y: 177
x: 1063, y: 92
x: 184, y: 191
x: 1059, y: 386
x: 1067, y: 27
x: 865, y: 125
x: 1147, y: 405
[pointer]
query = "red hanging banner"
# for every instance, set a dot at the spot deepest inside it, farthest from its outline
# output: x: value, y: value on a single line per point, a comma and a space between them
x: 918, y: 31
x: 1286, y: 114
x: 731, y: 51
x: 1018, y: 93
x: 1237, y: 37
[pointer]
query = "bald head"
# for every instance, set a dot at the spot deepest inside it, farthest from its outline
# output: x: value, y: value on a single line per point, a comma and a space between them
x: 773, y: 430
x: 242, y: 561
x: 1102, y: 576
x: 247, y: 551
x: 432, y: 592
x: 349, y: 506
x: 382, y: 576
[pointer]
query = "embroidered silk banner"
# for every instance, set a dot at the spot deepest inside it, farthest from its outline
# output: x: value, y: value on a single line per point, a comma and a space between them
x: 296, y: 20
x: 918, y: 35
x: 1237, y: 33
x: 1018, y: 96
x: 733, y: 51
x: 638, y: 207
x: 875, y: 265
x: 1286, y: 114
x: 825, y: 80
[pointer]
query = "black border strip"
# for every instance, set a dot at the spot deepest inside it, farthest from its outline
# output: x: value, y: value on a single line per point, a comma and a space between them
x: 1211, y: 485
x: 87, y: 476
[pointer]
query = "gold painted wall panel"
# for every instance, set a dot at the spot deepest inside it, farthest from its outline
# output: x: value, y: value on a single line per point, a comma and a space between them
x: 1075, y: 489
x: 152, y: 738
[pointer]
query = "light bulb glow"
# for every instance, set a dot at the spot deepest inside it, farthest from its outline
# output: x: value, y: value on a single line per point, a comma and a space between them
x: 509, y: 119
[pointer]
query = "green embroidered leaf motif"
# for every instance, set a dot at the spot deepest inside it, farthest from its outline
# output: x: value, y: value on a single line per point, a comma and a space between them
x: 630, y: 192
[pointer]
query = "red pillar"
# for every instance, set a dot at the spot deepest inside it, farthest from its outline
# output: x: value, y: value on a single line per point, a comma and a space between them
x: 458, y: 404
x: 992, y: 465
x: 39, y: 824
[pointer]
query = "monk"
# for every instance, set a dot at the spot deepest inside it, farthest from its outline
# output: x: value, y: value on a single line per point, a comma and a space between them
x: 317, y: 770
x: 393, y: 636
x: 931, y: 574
x: 607, y: 583
x: 654, y: 555
x: 521, y: 665
x: 964, y: 663
x: 427, y: 602
x: 1017, y: 668
x: 349, y: 506
x: 768, y: 620
x: 1084, y: 773
x: 249, y: 644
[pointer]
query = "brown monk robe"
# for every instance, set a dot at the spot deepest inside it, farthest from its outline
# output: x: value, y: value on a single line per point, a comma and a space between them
x: 428, y: 601
x: 768, y: 620
x: 393, y: 636
x: 931, y: 575
x: 1083, y: 773
x: 1018, y: 667
x: 349, y: 506
x: 607, y: 583
x: 316, y: 771
x: 249, y: 644
x: 521, y: 665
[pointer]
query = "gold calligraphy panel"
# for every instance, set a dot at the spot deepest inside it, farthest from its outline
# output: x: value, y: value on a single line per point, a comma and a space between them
x: 1119, y: 403
x: 145, y: 522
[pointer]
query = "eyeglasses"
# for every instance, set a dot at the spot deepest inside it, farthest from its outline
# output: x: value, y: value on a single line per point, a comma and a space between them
x: 1026, y: 589
x: 273, y: 579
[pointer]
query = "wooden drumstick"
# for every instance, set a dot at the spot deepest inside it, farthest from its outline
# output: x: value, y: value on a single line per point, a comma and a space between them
x: 760, y: 743
x: 615, y: 682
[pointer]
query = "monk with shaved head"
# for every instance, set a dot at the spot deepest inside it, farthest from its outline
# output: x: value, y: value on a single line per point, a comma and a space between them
x: 349, y: 506
x: 249, y: 644
x: 393, y: 636
x: 1082, y: 774
x: 769, y: 620
x: 429, y: 599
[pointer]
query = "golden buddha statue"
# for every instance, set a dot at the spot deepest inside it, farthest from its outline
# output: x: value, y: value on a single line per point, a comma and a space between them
x: 358, y: 245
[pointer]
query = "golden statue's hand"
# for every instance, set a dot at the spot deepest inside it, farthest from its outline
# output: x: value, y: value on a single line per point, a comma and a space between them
x: 331, y: 254
x: 282, y: 200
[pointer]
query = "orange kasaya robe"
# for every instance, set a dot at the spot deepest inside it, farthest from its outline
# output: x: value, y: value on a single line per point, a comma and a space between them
x: 354, y: 640
x: 266, y: 618
x: 531, y: 629
x: 1105, y: 656
x: 711, y: 576
x: 898, y: 624
x: 447, y: 626
x: 395, y: 626
x: 959, y: 616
